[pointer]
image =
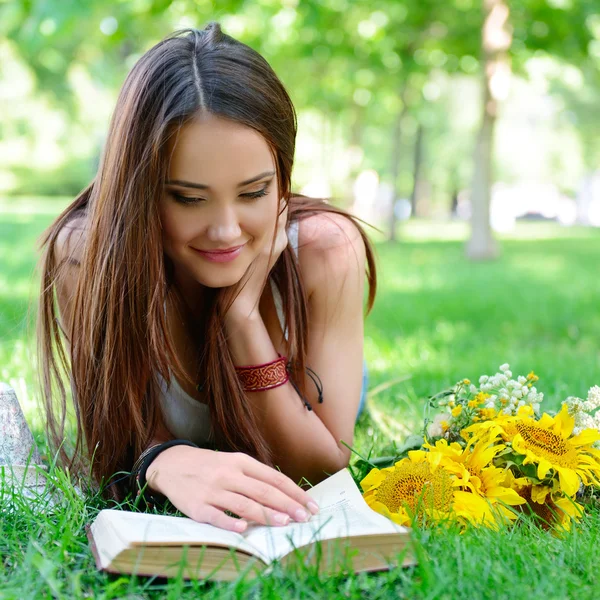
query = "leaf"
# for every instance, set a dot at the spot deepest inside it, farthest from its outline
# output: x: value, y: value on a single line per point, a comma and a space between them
x: 412, y: 442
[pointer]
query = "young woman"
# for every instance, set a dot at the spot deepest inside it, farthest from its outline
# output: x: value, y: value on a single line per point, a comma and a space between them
x: 213, y: 319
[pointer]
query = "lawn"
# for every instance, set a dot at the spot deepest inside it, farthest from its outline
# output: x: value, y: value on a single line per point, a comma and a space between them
x: 438, y: 318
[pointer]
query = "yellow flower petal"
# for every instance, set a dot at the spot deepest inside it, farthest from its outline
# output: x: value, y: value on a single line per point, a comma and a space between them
x: 539, y: 493
x: 373, y: 479
x: 543, y: 467
x: 587, y: 436
x: 566, y: 421
x: 506, y: 495
x: 569, y: 481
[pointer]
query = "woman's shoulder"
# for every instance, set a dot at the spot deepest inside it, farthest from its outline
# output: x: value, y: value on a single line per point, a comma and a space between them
x: 70, y: 240
x: 328, y: 232
x: 329, y: 239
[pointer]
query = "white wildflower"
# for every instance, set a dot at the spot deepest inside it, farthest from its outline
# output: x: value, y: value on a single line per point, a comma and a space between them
x: 483, y: 379
x: 593, y: 398
x: 435, y: 429
x: 522, y: 380
x: 573, y: 404
x: 504, y: 367
x: 473, y: 389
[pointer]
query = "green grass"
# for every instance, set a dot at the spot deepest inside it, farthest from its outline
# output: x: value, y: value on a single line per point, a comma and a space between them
x: 438, y: 318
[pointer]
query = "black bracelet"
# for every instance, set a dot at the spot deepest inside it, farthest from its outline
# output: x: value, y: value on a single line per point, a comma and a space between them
x: 139, y: 484
x: 315, y: 379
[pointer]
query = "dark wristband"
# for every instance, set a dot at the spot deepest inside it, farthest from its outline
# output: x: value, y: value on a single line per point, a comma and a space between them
x: 138, y: 474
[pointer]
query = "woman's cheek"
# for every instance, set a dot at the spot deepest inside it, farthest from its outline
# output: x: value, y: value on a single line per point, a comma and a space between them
x: 261, y: 222
x: 179, y: 227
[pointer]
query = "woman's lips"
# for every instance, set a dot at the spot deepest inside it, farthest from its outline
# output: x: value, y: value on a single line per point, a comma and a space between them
x: 221, y: 256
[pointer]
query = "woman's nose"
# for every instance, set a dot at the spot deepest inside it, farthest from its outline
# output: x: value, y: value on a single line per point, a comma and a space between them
x: 224, y: 226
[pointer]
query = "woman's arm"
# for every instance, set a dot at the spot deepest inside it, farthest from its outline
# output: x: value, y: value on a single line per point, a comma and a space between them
x: 68, y: 252
x: 307, y: 443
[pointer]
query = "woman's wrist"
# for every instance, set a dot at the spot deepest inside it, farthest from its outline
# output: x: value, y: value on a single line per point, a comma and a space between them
x: 144, y: 474
x: 154, y: 469
x: 238, y: 318
x: 249, y: 340
x: 263, y: 377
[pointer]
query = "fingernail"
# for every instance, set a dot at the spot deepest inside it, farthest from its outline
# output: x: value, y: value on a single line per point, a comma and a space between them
x: 301, y: 515
x: 240, y: 525
x: 281, y: 519
x: 313, y: 507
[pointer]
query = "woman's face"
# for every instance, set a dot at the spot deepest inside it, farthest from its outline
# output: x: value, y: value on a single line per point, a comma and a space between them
x: 220, y: 204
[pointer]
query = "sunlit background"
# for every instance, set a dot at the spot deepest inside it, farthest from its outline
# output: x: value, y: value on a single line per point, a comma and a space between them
x: 389, y: 96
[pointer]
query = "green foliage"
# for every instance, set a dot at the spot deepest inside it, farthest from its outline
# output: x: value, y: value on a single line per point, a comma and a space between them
x: 366, y: 66
x: 67, y: 180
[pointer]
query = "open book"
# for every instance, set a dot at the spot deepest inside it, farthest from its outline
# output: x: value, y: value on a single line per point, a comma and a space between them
x: 345, y: 535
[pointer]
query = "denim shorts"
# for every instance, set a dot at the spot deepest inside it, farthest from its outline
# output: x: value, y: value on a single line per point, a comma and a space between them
x: 363, y: 393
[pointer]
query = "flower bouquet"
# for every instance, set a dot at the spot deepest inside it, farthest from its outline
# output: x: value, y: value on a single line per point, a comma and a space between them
x: 487, y: 456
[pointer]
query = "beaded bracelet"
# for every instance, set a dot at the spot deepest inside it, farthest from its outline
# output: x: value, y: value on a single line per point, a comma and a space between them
x: 138, y: 482
x: 258, y: 378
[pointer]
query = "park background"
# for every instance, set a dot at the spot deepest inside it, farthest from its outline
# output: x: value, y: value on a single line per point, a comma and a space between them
x: 466, y: 131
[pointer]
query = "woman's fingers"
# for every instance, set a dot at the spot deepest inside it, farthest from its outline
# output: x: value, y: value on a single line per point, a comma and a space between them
x: 249, y: 510
x: 270, y: 497
x: 256, y: 470
x: 218, y: 518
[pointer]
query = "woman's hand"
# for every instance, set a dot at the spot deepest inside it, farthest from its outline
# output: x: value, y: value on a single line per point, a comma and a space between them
x: 252, y: 284
x: 203, y: 484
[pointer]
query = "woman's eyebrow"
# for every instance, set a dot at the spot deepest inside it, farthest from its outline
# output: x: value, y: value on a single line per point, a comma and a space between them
x: 202, y: 186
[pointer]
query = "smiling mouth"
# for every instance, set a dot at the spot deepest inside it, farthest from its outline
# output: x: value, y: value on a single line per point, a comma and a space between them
x: 220, y: 255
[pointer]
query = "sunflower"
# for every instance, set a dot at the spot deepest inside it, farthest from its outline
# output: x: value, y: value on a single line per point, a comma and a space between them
x: 550, y: 511
x: 415, y: 489
x: 498, y: 425
x: 474, y: 469
x: 547, y: 443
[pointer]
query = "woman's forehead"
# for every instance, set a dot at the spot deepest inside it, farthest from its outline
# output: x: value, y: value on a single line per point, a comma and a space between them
x: 214, y: 151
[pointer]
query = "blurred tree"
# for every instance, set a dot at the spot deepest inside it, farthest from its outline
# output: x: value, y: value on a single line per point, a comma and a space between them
x: 495, y: 42
x: 581, y: 101
x: 558, y: 28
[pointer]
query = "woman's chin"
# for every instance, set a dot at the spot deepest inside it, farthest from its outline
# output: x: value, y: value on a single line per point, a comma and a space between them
x: 221, y: 280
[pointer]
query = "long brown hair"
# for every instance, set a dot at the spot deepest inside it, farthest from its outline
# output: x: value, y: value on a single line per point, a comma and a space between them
x: 119, y: 338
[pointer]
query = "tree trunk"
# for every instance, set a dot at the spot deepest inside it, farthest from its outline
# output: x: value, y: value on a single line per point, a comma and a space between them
x: 418, y: 161
x: 495, y: 42
x: 482, y: 244
x: 454, y: 201
x: 395, y: 168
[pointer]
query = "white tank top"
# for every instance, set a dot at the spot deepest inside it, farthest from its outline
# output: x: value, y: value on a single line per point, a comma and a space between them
x: 184, y: 416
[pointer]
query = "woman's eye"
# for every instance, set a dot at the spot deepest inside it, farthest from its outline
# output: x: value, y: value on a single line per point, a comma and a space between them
x: 257, y: 194
x: 186, y: 199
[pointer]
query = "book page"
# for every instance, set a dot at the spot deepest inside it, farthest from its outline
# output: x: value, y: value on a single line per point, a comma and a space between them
x: 343, y: 513
x: 137, y: 529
